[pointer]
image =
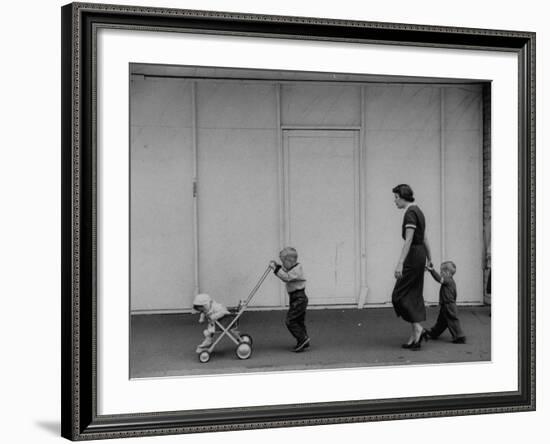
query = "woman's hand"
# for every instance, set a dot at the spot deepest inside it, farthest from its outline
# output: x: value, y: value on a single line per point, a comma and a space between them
x: 398, y: 273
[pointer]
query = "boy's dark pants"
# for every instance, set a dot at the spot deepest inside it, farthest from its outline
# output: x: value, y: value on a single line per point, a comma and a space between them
x: 296, y: 316
x: 448, y: 318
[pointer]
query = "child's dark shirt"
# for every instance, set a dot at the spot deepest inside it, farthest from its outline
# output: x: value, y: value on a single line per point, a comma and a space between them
x: 447, y: 291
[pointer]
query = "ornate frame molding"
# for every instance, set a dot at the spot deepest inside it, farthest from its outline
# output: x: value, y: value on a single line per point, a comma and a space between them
x: 79, y: 397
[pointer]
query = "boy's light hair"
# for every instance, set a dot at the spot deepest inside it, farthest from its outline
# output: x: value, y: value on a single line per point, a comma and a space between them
x: 449, y: 266
x: 289, y: 252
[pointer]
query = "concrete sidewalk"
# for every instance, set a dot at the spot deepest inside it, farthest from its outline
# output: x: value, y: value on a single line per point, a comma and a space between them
x: 164, y: 345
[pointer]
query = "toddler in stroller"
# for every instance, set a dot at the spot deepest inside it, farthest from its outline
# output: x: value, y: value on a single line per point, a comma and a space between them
x: 216, y: 315
x: 214, y: 312
x: 210, y: 311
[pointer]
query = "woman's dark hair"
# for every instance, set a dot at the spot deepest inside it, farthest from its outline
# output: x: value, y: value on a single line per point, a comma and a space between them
x: 404, y: 191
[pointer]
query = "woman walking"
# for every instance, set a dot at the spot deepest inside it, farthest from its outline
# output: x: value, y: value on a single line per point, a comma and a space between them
x: 407, y: 296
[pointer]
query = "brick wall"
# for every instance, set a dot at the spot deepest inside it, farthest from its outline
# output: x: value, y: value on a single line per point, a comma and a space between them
x: 487, y: 186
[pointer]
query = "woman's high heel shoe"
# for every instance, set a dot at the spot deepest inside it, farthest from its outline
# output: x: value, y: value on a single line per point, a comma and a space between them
x: 416, y: 345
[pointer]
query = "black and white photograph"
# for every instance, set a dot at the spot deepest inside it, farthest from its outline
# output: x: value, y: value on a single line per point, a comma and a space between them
x: 291, y: 220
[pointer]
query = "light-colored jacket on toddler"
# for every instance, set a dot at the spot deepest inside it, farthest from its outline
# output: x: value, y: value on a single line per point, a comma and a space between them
x: 215, y: 312
x: 293, y: 278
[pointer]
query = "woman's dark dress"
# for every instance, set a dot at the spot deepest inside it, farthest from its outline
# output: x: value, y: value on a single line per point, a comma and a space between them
x: 407, y: 296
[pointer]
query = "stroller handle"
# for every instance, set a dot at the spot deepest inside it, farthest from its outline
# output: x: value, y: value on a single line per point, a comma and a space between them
x: 257, y: 286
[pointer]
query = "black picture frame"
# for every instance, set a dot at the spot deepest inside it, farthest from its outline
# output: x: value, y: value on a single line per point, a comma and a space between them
x: 80, y: 420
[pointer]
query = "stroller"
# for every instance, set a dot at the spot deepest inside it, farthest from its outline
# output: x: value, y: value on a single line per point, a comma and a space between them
x: 241, y: 340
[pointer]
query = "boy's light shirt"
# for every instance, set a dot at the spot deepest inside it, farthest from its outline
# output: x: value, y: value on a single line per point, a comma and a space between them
x: 294, y: 278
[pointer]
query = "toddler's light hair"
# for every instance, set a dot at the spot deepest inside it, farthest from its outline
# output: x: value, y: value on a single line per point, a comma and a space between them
x: 289, y: 252
x: 449, y: 266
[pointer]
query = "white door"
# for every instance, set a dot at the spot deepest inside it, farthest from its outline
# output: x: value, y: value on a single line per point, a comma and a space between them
x: 321, y: 195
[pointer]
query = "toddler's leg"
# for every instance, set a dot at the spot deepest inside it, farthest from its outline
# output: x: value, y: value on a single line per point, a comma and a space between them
x: 207, y: 342
x: 440, y: 325
x: 295, y: 318
x: 291, y: 322
x: 301, y: 321
x: 454, y: 323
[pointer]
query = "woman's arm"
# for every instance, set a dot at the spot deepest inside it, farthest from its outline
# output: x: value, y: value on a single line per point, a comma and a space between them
x: 428, y: 250
x: 404, y: 252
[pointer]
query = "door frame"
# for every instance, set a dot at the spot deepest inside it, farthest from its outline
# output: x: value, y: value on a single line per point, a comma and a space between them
x: 359, y: 196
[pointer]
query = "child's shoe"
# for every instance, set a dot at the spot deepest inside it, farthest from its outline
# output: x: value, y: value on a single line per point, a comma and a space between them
x: 427, y: 333
x: 461, y: 340
x: 204, y: 345
x: 302, y: 345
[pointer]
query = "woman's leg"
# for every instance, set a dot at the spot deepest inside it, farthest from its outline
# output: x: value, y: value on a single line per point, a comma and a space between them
x: 412, y: 335
x: 417, y: 330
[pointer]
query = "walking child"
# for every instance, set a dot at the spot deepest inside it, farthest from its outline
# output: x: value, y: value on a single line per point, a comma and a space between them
x: 210, y: 311
x: 291, y: 272
x: 448, y: 312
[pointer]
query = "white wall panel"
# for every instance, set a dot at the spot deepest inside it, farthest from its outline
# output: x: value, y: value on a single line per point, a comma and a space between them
x: 160, y: 102
x: 239, y: 182
x: 402, y: 146
x: 463, y: 108
x: 463, y: 183
x: 303, y: 104
x: 402, y: 108
x: 323, y: 212
x: 237, y: 105
x: 161, y: 204
x: 238, y: 191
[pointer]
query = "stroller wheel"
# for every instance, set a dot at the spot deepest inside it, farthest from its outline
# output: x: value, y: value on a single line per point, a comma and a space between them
x: 243, y: 350
x: 204, y: 356
x: 247, y: 339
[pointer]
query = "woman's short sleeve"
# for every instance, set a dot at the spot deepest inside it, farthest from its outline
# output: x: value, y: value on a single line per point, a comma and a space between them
x: 410, y: 220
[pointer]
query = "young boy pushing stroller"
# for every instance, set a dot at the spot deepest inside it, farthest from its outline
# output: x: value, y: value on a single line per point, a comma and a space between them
x: 291, y: 272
